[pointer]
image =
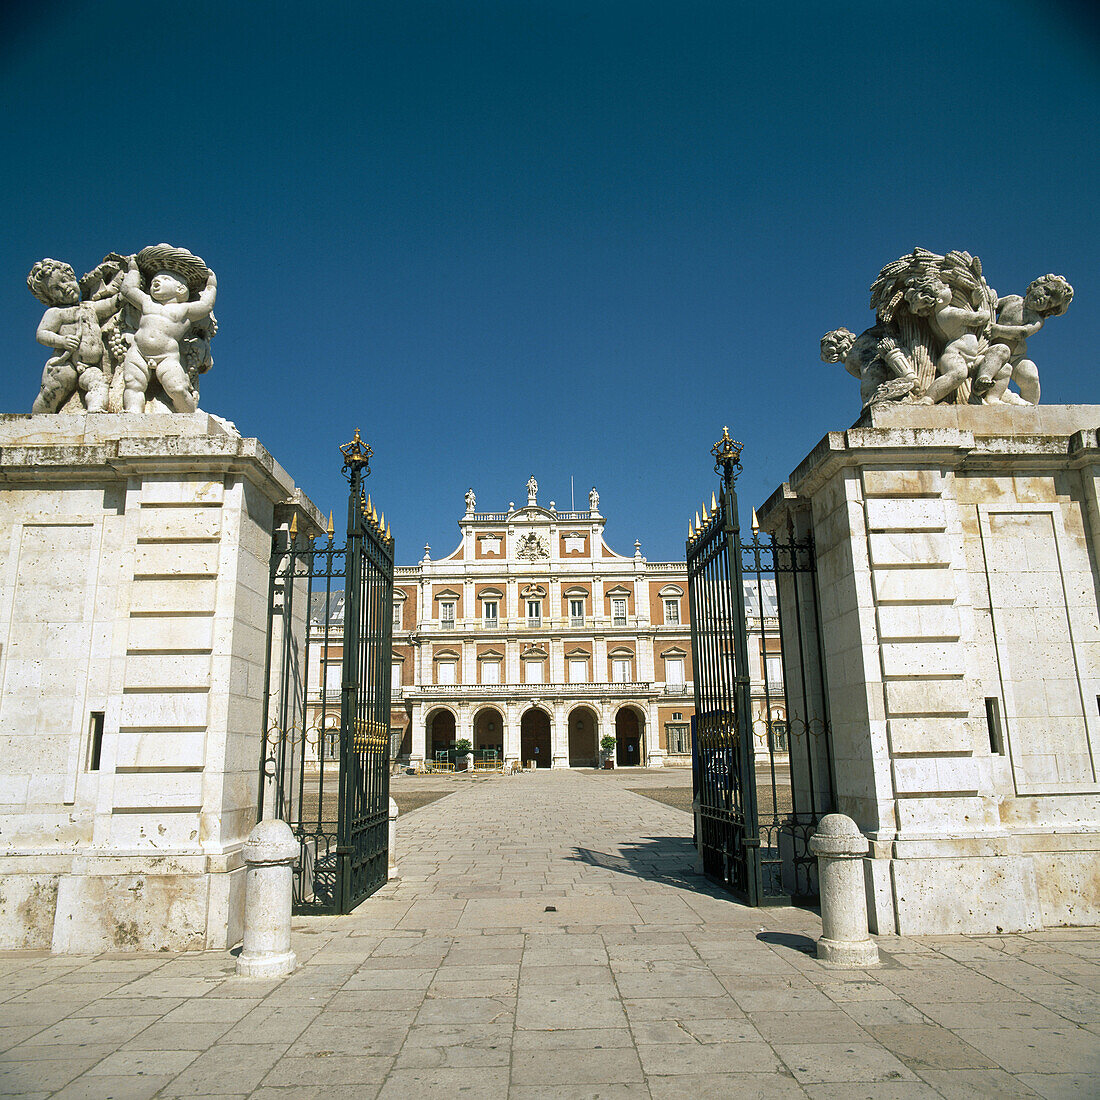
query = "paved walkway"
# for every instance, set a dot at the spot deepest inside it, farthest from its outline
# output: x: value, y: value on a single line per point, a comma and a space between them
x: 548, y: 939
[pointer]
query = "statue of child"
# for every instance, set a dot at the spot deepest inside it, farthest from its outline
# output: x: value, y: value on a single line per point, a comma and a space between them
x: 74, y: 328
x: 963, y: 332
x: 1017, y: 319
x: 876, y: 358
x: 167, y: 317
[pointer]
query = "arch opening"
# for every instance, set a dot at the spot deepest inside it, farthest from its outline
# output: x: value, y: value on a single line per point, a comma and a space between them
x: 534, y: 738
x: 488, y: 734
x: 629, y: 750
x: 440, y: 736
x: 584, y: 738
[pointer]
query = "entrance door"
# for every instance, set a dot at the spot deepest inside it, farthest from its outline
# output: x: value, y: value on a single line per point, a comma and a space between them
x: 628, y: 741
x: 439, y: 747
x: 489, y: 735
x: 534, y: 738
x: 583, y: 730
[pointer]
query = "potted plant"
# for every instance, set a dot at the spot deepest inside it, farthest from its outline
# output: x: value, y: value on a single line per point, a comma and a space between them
x: 607, y: 744
x: 463, y: 748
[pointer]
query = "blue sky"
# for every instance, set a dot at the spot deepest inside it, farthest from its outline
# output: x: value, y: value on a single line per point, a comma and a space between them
x: 568, y: 239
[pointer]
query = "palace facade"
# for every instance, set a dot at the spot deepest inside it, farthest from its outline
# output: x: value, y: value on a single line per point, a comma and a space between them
x: 533, y: 639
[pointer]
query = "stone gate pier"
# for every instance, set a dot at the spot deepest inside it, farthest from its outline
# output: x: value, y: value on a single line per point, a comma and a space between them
x: 134, y: 575
x: 958, y: 572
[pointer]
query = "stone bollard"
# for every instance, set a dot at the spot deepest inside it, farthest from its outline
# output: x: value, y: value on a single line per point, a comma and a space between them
x: 391, y: 870
x: 470, y: 762
x: 840, y: 848
x: 270, y: 854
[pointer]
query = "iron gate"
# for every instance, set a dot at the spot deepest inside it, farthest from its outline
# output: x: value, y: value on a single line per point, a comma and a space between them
x: 325, y: 762
x: 761, y: 757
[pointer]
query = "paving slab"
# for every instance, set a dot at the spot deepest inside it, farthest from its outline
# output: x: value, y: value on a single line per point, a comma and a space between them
x: 550, y: 938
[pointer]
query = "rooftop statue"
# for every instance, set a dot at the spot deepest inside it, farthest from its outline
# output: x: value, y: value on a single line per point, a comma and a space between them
x: 76, y: 314
x: 944, y: 336
x: 132, y: 335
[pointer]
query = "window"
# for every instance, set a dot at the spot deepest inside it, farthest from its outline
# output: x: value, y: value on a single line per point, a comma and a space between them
x: 674, y: 671
x: 333, y: 675
x: 490, y: 672
x: 773, y: 666
x: 534, y: 614
x: 620, y: 670
x: 398, y: 613
x: 95, y: 739
x: 445, y: 672
x: 576, y: 612
x: 618, y: 611
x: 578, y: 670
x: 447, y: 614
x: 533, y: 672
x: 331, y: 743
x: 678, y: 737
x: 777, y: 736
x: 490, y: 613
x: 395, y: 674
x: 672, y: 612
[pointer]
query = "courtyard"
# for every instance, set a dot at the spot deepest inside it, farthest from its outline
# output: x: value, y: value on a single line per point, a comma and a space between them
x: 549, y: 937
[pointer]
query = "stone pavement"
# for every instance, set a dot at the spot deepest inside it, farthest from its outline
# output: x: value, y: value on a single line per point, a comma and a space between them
x: 548, y: 938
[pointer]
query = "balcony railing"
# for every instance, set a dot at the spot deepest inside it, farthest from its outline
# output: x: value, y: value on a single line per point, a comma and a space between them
x: 546, y: 623
x: 490, y: 691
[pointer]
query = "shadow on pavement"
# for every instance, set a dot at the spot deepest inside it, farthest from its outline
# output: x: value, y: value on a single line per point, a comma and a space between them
x: 656, y: 859
x: 788, y: 939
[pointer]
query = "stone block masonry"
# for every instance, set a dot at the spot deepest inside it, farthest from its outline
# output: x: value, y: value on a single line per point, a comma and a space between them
x: 133, y: 604
x: 957, y: 553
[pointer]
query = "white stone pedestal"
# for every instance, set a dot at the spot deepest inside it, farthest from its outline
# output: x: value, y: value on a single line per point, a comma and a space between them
x: 840, y: 849
x: 957, y: 578
x: 269, y: 856
x: 133, y: 606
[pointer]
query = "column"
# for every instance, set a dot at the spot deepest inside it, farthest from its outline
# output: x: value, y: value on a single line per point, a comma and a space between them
x: 511, y: 732
x: 419, y: 735
x: 559, y: 738
x: 654, y: 754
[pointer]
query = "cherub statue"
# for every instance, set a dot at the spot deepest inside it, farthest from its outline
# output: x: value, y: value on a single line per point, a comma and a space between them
x: 942, y: 335
x: 1017, y: 318
x: 174, y: 328
x: 73, y: 326
x: 962, y: 331
x: 875, y: 357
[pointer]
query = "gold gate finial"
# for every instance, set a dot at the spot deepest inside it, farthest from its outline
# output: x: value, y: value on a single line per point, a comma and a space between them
x: 357, y: 454
x: 727, y: 456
